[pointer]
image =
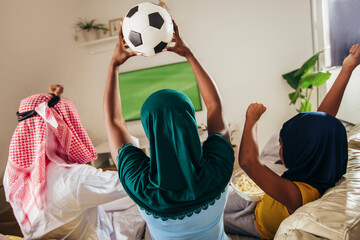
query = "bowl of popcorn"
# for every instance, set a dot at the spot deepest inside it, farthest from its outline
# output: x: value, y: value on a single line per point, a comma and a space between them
x: 245, y: 187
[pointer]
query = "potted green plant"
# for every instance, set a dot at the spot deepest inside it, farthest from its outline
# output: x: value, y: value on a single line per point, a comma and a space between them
x: 303, y: 80
x: 90, y: 29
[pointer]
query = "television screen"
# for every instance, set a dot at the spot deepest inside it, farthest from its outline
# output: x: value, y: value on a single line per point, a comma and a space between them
x: 136, y: 86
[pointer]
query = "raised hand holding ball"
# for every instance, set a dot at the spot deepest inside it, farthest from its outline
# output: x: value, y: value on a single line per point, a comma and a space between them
x: 147, y: 28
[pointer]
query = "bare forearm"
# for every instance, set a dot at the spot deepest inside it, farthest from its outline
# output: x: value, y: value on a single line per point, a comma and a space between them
x: 249, y: 150
x: 111, y: 101
x: 332, y: 100
x: 114, y: 121
x: 278, y: 188
x: 215, y: 119
x: 207, y: 86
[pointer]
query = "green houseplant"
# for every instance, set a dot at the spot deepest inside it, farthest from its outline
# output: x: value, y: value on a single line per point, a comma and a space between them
x: 303, y: 80
x: 89, y: 28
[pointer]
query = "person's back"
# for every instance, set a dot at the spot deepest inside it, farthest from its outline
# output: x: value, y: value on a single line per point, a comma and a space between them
x: 181, y: 189
x: 177, y: 191
x: 73, y: 208
x: 52, y: 193
x: 207, y: 224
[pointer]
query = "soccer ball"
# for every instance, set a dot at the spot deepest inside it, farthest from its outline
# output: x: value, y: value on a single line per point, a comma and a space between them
x: 147, y: 28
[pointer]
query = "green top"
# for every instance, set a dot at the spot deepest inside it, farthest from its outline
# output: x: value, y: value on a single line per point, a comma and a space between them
x: 181, y: 176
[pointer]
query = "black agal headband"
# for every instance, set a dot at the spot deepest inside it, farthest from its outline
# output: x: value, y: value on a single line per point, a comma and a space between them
x: 25, y: 115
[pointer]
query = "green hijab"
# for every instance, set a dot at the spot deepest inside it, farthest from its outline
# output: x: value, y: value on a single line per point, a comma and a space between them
x: 180, y: 177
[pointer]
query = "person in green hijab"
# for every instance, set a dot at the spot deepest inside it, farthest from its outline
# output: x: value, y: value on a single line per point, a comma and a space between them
x: 181, y: 189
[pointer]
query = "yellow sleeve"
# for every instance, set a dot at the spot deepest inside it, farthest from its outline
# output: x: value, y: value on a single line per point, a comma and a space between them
x: 269, y: 213
x: 308, y: 193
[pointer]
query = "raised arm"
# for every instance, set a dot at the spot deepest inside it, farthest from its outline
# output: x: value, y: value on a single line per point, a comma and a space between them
x: 281, y: 189
x: 115, y: 125
x: 332, y: 100
x: 215, y: 119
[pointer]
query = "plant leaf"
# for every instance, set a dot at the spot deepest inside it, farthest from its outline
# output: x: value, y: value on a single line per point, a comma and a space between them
x: 291, y: 79
x: 293, y: 97
x: 91, y: 23
x: 83, y: 24
x: 305, y: 83
x: 321, y: 78
x: 316, y: 79
x: 308, y: 65
x: 305, y: 106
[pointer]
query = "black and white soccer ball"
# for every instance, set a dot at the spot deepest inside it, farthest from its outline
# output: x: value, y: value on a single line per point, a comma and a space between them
x: 147, y: 28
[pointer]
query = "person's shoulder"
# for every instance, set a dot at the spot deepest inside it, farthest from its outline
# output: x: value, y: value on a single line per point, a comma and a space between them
x: 218, y: 149
x: 217, y: 137
x: 308, y: 192
x: 83, y: 173
x: 217, y: 141
x: 129, y: 151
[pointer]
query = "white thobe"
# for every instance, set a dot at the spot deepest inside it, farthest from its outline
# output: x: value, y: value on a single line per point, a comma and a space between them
x: 73, y: 196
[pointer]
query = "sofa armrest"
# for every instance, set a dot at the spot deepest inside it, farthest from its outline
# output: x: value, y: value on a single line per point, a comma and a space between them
x: 296, y: 234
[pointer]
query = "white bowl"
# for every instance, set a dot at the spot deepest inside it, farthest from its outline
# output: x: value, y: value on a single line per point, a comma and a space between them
x: 247, y: 196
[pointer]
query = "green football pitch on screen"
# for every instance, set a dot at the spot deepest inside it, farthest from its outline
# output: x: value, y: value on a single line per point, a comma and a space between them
x: 137, y: 85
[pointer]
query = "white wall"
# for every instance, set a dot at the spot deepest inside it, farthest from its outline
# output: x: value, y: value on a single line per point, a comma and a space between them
x: 349, y: 109
x: 245, y: 44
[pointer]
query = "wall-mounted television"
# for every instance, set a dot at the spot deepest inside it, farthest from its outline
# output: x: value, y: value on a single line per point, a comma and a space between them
x: 136, y: 86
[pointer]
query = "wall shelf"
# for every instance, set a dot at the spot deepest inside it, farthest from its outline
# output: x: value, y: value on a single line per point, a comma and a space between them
x: 101, y: 45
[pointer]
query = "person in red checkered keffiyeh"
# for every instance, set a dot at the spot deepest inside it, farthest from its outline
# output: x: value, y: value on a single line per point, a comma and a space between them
x: 48, y: 150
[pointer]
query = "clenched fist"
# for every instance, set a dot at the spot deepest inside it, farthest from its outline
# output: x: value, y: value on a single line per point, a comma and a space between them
x: 254, y: 111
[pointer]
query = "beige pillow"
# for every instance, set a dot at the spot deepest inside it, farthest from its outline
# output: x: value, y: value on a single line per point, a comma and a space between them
x: 354, y: 137
x: 297, y: 234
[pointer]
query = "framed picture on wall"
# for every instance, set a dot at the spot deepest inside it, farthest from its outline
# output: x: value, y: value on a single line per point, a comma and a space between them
x: 114, y: 26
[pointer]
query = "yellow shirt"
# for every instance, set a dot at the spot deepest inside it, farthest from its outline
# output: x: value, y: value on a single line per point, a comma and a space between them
x: 269, y: 213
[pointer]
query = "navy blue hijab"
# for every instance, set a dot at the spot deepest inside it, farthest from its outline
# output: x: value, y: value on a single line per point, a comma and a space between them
x: 315, y: 149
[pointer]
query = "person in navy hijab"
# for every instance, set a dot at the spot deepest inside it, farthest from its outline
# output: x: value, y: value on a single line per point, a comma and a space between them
x: 313, y: 147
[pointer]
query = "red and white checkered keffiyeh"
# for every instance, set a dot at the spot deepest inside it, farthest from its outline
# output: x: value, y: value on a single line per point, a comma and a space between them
x: 27, y: 161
